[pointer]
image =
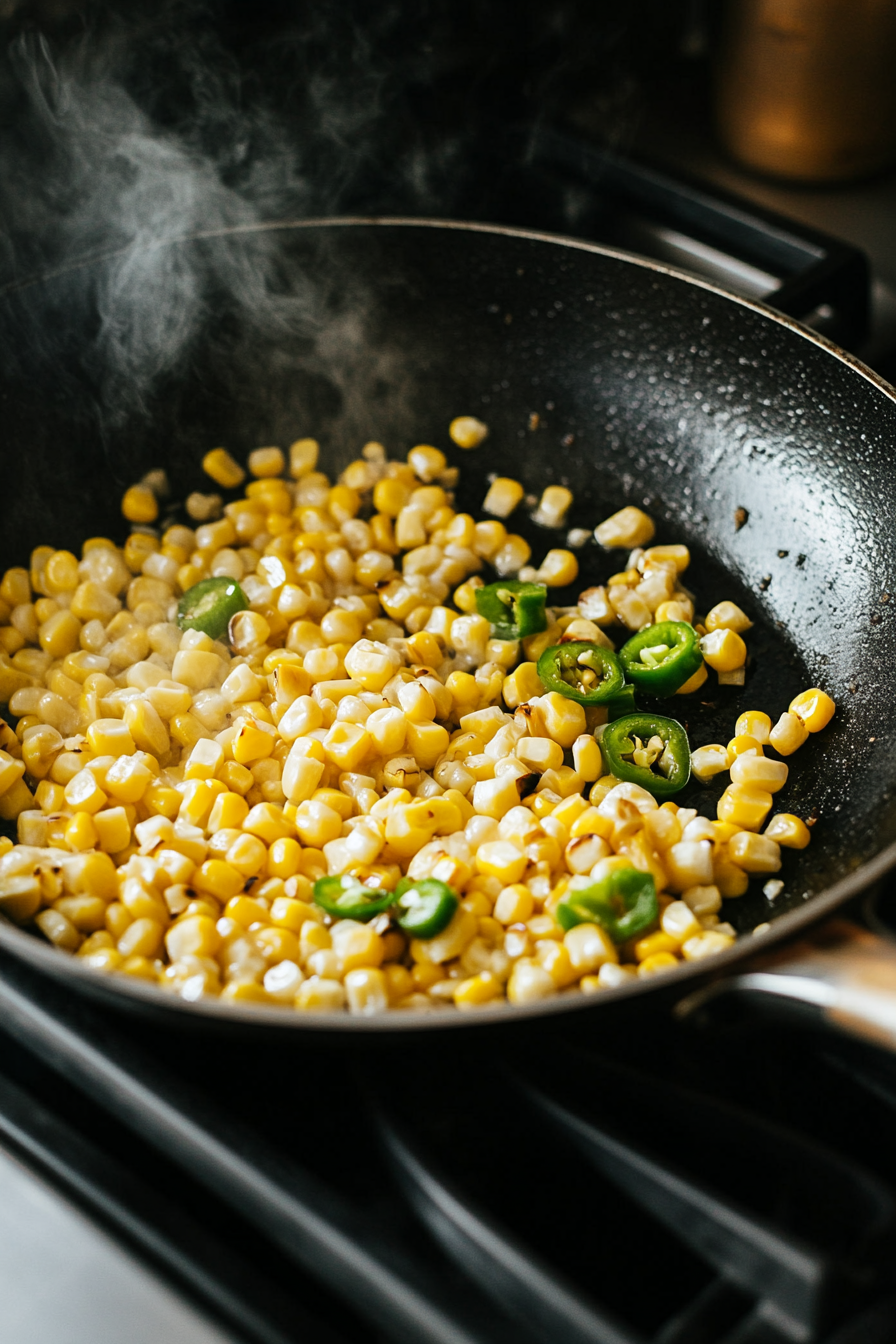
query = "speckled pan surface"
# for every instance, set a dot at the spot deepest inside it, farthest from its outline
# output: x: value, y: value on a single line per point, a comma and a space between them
x: 649, y: 388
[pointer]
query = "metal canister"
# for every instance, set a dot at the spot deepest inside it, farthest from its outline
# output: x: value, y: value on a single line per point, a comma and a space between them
x: 806, y: 89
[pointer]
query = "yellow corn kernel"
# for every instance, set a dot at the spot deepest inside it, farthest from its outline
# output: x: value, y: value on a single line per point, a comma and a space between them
x: 539, y: 753
x: 11, y: 771
x: 143, y: 938
x: 390, y: 496
x: 303, y: 455
x: 503, y: 496
x: 743, y: 746
x: 744, y: 807
x: 553, y: 506
x: 695, y: 682
x: 558, y: 569
x: 587, y: 758
x: 252, y: 743
x: 319, y: 995
x: 759, y: 772
x: 356, y: 944
x: 477, y: 990
x: 649, y: 946
x: 118, y: 918
x: 523, y: 684
x: 229, y: 811
x: 58, y: 930
x: 248, y: 855
x: 815, y: 708
x: 269, y: 823
x: 789, y: 733
x: 788, y: 830
x: 81, y: 833
x: 425, y: 649
x: 706, y: 945
x: 113, y: 829
x: 237, y: 778
x: 679, y: 922
x: 204, y: 760
x: 20, y: 895
x: 529, y: 982
x: 245, y: 991
x: 287, y: 913
x: 467, y: 432
x: 139, y: 505
x: 675, y: 554
x: 346, y: 744
x: 728, y: 616
x: 589, y: 947
x: 60, y: 635
x: 277, y: 945
x: 709, y: 761
x: 628, y: 528
x: 83, y: 794
x: 564, y: 720
x: 49, y: 797
x: 514, y: 905
x: 724, y: 650
x: 657, y: 963
x: 146, y: 728
x: 753, y: 723
x: 465, y: 595
x: 223, y: 469
x: 754, y: 853
x: 110, y: 737
x: 502, y: 860
x: 267, y: 462
x: 553, y: 957
x: 219, y: 879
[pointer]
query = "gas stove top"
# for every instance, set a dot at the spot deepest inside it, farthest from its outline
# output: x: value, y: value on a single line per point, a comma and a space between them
x: 709, y: 1181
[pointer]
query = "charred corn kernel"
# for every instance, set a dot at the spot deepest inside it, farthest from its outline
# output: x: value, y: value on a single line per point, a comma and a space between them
x: 815, y: 708
x: 558, y: 569
x: 58, y: 930
x: 788, y: 830
x: 657, y: 963
x: 251, y: 743
x: 223, y: 469
x: 467, y: 432
x: 113, y: 830
x: 789, y: 733
x: 724, y: 650
x: 728, y: 616
x: 759, y: 772
x: 59, y: 636
x: 706, y: 944
x: 627, y: 528
x: 742, y: 746
x: 139, y: 505
x: 743, y: 806
x: 502, y: 497
x: 589, y: 947
x: 753, y: 723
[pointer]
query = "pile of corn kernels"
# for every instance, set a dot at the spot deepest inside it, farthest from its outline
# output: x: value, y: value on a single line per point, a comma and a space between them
x: 176, y: 798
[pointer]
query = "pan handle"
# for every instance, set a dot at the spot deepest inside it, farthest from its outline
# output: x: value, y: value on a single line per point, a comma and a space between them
x: 845, y: 973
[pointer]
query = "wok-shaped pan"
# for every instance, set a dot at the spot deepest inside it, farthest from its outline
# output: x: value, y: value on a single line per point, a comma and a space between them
x: 765, y: 449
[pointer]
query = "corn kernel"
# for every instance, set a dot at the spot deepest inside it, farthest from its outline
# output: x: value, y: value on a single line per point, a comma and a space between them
x: 788, y: 830
x: 755, y: 853
x: 139, y: 505
x: 723, y: 650
x: 789, y: 733
x: 728, y: 616
x: 477, y: 990
x: 657, y: 963
x: 753, y: 723
x: 628, y: 528
x: 744, y: 807
x: 815, y: 708
x: 467, y: 432
x: 558, y: 569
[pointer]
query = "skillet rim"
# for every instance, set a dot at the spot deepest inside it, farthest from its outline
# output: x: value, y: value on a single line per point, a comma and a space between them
x: 113, y: 989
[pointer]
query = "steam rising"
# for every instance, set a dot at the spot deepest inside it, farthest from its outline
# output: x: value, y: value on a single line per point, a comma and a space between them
x: 119, y: 142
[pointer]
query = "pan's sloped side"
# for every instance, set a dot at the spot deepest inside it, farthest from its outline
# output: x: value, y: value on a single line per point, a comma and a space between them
x: 763, y: 449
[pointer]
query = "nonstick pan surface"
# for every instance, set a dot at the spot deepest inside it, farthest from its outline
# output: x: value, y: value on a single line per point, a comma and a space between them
x: 765, y: 449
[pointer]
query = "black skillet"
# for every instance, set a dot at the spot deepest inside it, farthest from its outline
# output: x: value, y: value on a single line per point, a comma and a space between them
x: 765, y: 449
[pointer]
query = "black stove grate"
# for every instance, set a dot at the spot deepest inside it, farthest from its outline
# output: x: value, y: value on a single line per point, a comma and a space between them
x: 674, y: 1186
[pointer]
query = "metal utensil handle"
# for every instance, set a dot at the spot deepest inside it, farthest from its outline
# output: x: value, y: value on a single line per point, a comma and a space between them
x: 843, y: 972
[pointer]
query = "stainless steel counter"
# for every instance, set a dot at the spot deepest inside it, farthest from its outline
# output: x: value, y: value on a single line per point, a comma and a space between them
x: 64, y: 1281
